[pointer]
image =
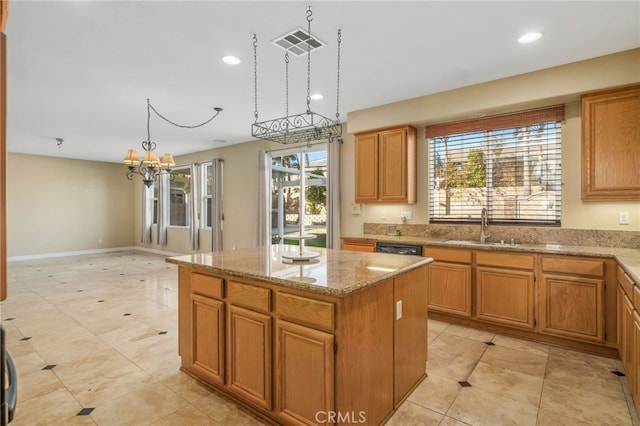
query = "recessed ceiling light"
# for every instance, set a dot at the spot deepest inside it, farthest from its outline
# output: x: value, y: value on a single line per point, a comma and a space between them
x: 316, y: 96
x: 231, y: 60
x: 529, y: 37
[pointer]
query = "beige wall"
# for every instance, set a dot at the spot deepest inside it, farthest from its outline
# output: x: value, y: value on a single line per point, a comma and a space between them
x: 59, y: 205
x: 240, y: 183
x: 543, y: 88
x: 548, y: 87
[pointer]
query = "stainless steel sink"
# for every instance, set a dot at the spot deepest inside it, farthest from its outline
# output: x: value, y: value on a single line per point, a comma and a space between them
x: 478, y: 243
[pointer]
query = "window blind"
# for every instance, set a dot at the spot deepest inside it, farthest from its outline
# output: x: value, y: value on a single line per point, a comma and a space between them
x: 509, y: 164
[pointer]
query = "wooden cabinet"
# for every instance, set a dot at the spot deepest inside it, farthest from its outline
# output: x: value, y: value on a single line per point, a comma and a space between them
x: 208, y: 338
x: 449, y: 280
x: 386, y: 166
x: 410, y: 354
x: 572, y: 298
x: 355, y: 245
x: 291, y: 354
x: 249, y: 342
x: 611, y: 145
x: 635, y: 382
x: 505, y: 295
x: 249, y: 356
x: 305, y: 373
x: 629, y: 332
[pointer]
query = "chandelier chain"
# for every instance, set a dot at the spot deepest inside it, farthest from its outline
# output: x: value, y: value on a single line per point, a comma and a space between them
x: 309, y: 19
x: 183, y: 126
x: 255, y: 77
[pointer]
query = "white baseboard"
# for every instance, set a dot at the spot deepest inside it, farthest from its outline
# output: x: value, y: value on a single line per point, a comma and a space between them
x: 84, y: 252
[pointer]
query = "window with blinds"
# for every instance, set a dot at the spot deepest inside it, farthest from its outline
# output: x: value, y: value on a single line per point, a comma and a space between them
x: 509, y: 164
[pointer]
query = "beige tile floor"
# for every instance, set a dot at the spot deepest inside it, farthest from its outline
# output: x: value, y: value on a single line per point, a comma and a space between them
x: 100, y: 332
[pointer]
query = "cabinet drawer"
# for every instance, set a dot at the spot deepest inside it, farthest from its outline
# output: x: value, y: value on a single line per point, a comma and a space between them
x: 447, y: 254
x: 573, y: 266
x: 626, y: 282
x: 307, y: 311
x: 249, y: 296
x: 505, y: 260
x: 206, y: 285
x: 365, y: 246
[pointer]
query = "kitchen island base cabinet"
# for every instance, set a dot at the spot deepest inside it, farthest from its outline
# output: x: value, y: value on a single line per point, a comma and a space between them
x: 301, y: 357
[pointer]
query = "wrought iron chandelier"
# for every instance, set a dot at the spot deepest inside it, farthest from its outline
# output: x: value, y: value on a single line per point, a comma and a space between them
x: 305, y: 127
x: 152, y: 166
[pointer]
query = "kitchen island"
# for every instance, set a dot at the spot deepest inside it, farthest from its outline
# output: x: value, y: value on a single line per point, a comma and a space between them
x: 341, y: 338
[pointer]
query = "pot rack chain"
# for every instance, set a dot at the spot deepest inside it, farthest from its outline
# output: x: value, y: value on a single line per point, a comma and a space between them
x: 255, y: 77
x: 183, y: 126
x: 338, y: 78
x: 309, y: 19
x: 286, y: 91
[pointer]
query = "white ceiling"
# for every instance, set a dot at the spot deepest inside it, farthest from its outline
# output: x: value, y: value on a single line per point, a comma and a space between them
x: 82, y: 70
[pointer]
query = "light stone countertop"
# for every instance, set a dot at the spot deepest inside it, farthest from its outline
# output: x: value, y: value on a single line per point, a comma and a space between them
x: 333, y: 272
x: 628, y: 258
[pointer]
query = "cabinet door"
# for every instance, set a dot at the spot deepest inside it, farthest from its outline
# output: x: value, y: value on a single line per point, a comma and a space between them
x: 249, y: 355
x: 635, y: 383
x: 208, y: 338
x: 305, y: 373
x: 392, y: 169
x: 572, y: 307
x: 505, y: 297
x: 610, y: 148
x: 450, y: 288
x: 622, y: 332
x: 366, y: 168
x: 629, y: 344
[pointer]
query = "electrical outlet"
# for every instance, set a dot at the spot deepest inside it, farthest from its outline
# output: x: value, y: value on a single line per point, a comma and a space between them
x: 623, y: 218
x: 399, y: 309
x: 383, y: 215
x: 406, y: 215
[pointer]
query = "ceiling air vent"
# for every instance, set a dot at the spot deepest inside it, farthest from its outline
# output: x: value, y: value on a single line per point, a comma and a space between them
x: 296, y: 42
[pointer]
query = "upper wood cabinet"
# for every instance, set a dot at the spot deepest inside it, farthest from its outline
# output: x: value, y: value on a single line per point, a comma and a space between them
x: 386, y: 166
x: 611, y: 145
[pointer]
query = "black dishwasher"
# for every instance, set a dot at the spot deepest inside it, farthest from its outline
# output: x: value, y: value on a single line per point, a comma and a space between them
x: 395, y: 248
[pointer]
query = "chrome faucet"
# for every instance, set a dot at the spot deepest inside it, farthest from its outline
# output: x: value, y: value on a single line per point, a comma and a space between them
x: 484, y: 226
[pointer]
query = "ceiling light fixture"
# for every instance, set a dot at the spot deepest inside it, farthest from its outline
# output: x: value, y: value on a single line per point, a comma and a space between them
x: 529, y: 37
x: 305, y: 127
x: 317, y: 96
x: 231, y: 60
x: 152, y: 166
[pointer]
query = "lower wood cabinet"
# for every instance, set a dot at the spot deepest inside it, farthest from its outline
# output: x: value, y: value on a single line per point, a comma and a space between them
x: 450, y: 276
x: 629, y: 332
x: 572, y: 307
x: 450, y: 288
x: 304, y: 373
x: 505, y: 296
x: 208, y: 338
x: 635, y: 382
x: 572, y: 298
x: 249, y: 355
x: 505, y: 291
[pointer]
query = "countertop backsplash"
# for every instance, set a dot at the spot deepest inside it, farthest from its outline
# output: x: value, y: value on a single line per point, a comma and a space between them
x: 521, y: 234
